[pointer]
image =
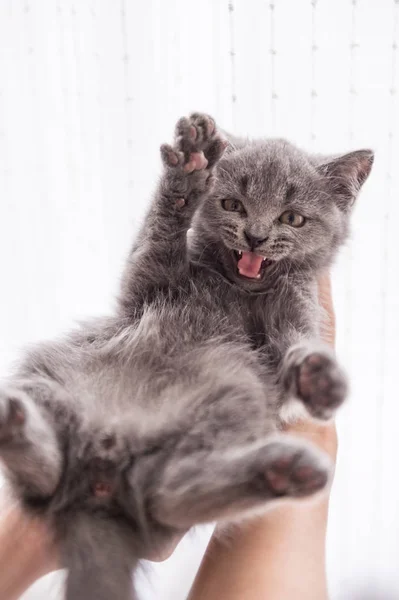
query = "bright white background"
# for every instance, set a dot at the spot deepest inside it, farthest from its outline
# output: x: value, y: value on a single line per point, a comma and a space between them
x: 88, y: 91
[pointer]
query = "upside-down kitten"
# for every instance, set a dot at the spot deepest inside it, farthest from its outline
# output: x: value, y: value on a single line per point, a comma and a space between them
x: 132, y: 429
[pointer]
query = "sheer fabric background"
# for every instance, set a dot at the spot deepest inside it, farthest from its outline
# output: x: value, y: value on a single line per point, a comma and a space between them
x: 88, y: 91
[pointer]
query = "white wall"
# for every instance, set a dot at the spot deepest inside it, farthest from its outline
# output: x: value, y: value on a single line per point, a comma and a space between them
x: 88, y: 91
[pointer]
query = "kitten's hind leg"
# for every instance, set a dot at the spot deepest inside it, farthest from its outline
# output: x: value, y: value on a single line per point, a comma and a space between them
x: 205, y: 487
x: 28, y: 445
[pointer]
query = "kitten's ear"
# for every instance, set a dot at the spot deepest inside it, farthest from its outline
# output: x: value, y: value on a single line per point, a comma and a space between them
x: 347, y: 174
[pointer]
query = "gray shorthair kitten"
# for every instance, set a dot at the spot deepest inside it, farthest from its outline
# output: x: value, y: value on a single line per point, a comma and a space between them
x: 136, y: 427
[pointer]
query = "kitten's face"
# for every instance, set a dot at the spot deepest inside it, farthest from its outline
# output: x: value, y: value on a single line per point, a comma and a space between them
x: 271, y: 209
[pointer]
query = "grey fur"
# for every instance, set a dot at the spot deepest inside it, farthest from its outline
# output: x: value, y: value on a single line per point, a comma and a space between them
x: 132, y: 429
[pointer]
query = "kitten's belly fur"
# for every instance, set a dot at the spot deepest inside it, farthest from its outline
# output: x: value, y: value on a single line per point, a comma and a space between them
x: 147, y: 381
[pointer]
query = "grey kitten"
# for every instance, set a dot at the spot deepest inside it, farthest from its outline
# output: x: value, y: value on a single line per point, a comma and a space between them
x: 134, y: 428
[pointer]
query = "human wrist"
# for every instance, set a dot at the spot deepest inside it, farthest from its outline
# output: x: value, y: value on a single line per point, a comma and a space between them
x: 27, y: 551
x: 322, y: 435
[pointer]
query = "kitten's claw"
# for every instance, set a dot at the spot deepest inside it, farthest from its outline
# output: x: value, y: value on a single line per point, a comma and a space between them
x: 321, y: 384
x: 196, y: 162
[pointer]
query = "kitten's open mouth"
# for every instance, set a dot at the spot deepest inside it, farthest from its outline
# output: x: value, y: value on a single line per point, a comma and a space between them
x: 251, y: 265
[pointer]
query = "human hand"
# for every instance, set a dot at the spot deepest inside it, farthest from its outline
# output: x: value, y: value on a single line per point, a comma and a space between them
x: 27, y: 550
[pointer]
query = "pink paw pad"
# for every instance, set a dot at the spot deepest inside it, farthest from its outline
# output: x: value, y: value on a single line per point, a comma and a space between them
x: 197, y: 162
x: 321, y: 384
x: 193, y: 133
x: 197, y: 145
x: 296, y: 474
x: 279, y: 483
x: 173, y: 158
x: 211, y: 126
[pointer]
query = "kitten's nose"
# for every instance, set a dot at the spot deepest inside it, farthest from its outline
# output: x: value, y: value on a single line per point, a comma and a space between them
x: 253, y: 240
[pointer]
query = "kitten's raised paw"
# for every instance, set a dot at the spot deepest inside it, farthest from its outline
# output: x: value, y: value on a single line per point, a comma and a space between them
x: 296, y: 470
x: 197, y: 146
x: 321, y: 384
x: 12, y: 417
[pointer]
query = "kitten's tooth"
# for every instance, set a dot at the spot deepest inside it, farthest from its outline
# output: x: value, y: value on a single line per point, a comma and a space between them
x: 240, y: 252
x: 258, y: 276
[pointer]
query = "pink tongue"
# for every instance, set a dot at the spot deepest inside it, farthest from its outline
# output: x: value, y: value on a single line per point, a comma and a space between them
x: 249, y: 264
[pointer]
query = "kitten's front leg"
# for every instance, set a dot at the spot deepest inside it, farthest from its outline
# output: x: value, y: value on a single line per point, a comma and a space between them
x: 159, y: 257
x: 310, y: 373
x: 28, y: 445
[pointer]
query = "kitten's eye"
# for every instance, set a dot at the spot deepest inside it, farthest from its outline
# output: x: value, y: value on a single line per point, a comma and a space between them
x: 233, y: 205
x: 292, y: 219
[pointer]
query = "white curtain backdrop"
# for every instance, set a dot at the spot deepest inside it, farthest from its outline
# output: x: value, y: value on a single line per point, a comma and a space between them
x: 88, y: 91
